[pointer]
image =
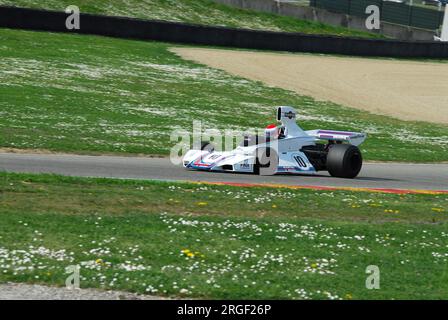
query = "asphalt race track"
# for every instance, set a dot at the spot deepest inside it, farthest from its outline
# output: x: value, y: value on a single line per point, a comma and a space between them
x: 373, y: 175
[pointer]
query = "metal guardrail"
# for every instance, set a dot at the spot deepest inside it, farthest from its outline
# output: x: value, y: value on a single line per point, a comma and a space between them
x: 393, y: 12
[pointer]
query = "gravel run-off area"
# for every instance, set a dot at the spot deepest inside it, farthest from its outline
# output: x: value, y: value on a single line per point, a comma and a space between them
x: 404, y: 89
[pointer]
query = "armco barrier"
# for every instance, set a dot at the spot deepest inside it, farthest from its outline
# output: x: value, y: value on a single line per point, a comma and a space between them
x: 355, y: 19
x: 393, y: 12
x: 42, y: 20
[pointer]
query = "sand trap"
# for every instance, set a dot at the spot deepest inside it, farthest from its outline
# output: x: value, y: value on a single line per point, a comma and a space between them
x: 403, y: 89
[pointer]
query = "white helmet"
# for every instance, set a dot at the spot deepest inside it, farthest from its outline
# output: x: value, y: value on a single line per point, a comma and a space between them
x: 271, y: 131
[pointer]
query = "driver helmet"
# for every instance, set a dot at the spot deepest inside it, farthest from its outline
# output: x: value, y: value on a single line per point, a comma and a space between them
x: 271, y: 131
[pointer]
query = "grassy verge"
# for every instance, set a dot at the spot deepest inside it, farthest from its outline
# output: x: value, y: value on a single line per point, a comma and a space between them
x: 205, y: 12
x: 178, y: 239
x: 89, y: 94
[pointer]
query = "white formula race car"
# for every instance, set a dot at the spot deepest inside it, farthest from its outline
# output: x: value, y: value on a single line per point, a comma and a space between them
x: 285, y: 149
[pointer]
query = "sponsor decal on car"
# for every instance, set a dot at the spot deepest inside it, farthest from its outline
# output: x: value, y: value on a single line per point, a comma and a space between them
x: 290, y: 115
x: 245, y: 166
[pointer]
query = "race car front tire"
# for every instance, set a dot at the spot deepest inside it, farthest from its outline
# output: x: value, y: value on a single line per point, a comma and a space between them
x: 344, y: 161
x: 266, y: 162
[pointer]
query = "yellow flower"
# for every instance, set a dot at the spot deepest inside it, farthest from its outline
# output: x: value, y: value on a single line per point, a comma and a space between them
x: 356, y: 206
x: 201, y: 203
x: 99, y: 261
x: 314, y: 266
x: 437, y: 209
x: 391, y: 211
x: 274, y: 206
x: 348, y: 296
x: 191, y: 254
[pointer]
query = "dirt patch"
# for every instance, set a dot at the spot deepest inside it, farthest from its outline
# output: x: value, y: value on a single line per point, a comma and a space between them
x: 408, y: 90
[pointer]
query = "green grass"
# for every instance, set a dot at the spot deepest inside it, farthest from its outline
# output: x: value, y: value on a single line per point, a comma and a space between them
x: 132, y: 235
x: 87, y: 94
x: 40, y: 193
x: 193, y: 11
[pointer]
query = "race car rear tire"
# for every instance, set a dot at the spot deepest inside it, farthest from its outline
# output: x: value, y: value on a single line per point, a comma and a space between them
x: 266, y: 162
x: 344, y: 161
x: 207, y: 146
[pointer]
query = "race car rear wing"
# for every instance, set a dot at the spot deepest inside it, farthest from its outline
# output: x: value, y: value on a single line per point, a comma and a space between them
x: 355, y: 138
